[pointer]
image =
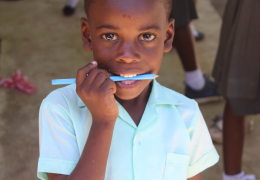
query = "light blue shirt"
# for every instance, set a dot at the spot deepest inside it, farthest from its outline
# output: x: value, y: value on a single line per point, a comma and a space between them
x: 171, y: 142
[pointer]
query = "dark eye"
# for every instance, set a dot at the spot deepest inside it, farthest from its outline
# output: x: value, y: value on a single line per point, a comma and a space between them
x: 146, y: 37
x: 110, y: 37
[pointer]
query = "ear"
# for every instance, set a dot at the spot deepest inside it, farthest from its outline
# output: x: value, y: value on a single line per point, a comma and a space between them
x: 169, y: 36
x: 85, y: 34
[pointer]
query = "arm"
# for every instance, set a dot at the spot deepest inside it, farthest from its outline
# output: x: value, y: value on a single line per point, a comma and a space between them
x: 202, y: 151
x: 97, y: 92
x: 92, y: 163
x: 197, y: 177
x: 63, y: 177
x: 196, y: 2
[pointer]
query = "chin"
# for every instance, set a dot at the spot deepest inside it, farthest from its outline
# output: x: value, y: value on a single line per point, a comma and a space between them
x: 132, y: 93
x: 125, y: 96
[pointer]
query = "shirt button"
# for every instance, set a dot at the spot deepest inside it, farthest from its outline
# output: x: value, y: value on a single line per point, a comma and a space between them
x: 139, y: 138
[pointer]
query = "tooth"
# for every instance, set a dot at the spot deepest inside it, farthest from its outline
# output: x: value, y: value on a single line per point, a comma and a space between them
x: 128, y: 75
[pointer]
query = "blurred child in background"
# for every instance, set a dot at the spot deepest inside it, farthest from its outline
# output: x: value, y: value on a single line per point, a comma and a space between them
x: 237, y: 73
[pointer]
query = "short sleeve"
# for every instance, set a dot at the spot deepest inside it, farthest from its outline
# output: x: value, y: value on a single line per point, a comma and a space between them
x: 202, y: 151
x: 59, y: 151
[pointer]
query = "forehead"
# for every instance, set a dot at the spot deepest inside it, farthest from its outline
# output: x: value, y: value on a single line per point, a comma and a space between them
x: 125, y: 11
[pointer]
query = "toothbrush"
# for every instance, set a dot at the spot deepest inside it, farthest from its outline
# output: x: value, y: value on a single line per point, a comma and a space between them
x: 113, y: 78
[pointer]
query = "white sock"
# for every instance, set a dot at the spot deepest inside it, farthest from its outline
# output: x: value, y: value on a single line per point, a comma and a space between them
x: 72, y: 3
x: 193, y: 30
x: 233, y: 177
x: 239, y: 176
x: 195, y: 79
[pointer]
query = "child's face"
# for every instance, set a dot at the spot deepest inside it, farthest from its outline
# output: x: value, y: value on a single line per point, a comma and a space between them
x: 127, y: 38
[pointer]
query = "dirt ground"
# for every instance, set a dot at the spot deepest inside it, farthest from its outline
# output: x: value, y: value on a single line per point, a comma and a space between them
x: 45, y: 45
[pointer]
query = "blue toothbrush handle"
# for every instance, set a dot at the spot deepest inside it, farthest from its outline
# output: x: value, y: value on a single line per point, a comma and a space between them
x: 138, y: 77
x: 113, y: 78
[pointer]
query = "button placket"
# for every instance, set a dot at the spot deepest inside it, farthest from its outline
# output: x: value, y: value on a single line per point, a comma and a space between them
x: 136, y: 151
x: 137, y: 139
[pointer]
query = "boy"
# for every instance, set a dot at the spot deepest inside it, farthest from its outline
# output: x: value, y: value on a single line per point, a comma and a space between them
x: 129, y: 130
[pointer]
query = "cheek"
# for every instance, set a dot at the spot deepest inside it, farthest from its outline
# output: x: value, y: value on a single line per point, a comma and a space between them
x: 102, y: 54
x: 154, y: 58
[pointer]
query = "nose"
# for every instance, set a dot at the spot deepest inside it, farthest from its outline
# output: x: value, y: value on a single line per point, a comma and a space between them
x: 128, y: 53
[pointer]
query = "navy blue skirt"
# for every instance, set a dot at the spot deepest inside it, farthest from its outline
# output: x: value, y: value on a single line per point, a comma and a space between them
x: 183, y: 11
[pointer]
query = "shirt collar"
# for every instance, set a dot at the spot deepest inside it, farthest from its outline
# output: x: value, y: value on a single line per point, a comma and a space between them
x: 80, y: 102
x: 163, y: 95
x: 159, y: 95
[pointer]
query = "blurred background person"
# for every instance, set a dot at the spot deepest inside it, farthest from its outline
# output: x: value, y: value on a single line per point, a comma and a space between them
x: 197, y: 86
x: 237, y: 73
x: 199, y: 36
x: 70, y: 7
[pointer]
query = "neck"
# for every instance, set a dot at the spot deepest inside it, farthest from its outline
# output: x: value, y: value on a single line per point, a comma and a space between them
x: 142, y: 98
x: 135, y: 107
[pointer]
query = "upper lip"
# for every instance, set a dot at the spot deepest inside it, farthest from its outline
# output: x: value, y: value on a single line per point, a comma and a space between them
x: 127, y: 73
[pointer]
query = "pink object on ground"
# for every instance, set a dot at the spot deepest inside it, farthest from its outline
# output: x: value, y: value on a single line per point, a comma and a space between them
x: 18, y: 81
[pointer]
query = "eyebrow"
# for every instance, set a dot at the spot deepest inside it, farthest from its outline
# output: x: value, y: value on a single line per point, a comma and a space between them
x: 106, y: 26
x: 149, y: 27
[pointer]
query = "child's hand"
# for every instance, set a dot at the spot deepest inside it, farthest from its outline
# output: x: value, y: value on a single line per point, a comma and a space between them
x: 97, y: 90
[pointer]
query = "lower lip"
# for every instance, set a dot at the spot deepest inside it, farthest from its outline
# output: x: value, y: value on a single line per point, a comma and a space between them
x: 127, y: 84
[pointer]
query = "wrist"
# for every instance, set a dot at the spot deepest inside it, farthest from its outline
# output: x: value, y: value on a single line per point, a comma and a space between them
x: 102, y: 128
x: 103, y: 120
x: 99, y: 123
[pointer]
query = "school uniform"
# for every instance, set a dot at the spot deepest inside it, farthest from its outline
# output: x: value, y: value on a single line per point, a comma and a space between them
x: 237, y: 65
x: 183, y: 11
x: 171, y: 142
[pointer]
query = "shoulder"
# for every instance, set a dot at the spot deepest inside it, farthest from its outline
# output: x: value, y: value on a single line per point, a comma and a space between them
x: 67, y: 92
x: 62, y: 98
x: 182, y: 102
x: 187, y: 108
x: 58, y: 109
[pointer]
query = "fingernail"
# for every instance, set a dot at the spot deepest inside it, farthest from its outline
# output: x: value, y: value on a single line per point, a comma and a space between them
x: 94, y: 62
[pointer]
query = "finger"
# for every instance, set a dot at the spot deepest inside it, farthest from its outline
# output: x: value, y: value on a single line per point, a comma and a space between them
x: 100, y: 70
x: 99, y: 80
x: 82, y: 72
x: 92, y: 76
x: 109, y: 85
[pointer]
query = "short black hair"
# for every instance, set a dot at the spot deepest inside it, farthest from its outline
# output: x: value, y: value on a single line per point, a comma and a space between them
x: 167, y: 5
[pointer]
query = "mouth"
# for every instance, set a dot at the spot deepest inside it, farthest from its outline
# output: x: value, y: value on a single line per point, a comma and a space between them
x: 126, y: 83
x: 125, y: 75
